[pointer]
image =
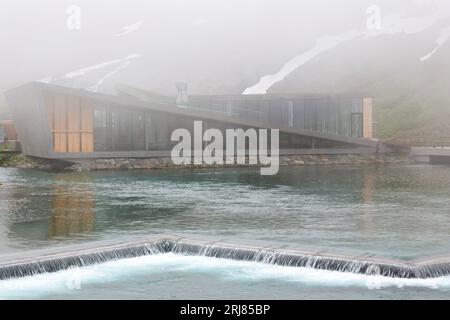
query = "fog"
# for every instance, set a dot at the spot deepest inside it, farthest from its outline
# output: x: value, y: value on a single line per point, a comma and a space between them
x: 216, y: 46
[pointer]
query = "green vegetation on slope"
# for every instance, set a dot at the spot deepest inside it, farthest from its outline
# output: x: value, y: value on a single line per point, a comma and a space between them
x: 410, y: 97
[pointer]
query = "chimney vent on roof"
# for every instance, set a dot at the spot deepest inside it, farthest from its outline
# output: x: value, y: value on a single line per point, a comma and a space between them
x: 182, y: 97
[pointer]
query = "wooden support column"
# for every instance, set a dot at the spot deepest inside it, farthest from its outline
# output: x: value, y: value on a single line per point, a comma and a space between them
x: 60, y: 123
x: 367, y: 118
x: 74, y: 124
x: 87, y: 125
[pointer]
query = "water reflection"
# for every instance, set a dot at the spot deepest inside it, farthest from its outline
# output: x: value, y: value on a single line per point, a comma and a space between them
x: 368, y: 187
x: 368, y: 190
x: 398, y: 210
x: 72, y: 210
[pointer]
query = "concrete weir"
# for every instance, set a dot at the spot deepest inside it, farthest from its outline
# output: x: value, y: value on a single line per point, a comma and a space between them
x: 52, y: 260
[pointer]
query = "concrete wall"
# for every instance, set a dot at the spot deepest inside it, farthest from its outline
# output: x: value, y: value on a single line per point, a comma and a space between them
x: 30, y: 119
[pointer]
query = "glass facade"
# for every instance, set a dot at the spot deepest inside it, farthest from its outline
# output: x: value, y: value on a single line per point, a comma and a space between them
x: 121, y: 128
x: 335, y: 115
x: 117, y: 129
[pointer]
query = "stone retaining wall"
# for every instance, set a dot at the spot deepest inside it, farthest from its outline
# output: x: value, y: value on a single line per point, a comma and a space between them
x: 300, y: 160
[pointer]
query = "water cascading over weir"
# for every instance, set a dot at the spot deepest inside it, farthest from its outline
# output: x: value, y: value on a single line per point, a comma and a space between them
x: 53, y: 260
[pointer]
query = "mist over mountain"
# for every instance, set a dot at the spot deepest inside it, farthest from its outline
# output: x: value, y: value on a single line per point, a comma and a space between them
x: 408, y: 92
x: 235, y: 46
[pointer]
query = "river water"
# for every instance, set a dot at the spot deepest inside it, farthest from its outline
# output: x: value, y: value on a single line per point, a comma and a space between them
x: 391, y: 211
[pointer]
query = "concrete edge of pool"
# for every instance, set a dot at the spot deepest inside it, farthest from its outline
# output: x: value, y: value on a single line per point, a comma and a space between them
x: 65, y: 257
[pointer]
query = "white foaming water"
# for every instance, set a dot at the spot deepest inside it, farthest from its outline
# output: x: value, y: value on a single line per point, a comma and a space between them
x: 60, y: 283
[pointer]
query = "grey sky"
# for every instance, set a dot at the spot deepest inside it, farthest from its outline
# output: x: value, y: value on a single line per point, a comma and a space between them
x: 203, y: 42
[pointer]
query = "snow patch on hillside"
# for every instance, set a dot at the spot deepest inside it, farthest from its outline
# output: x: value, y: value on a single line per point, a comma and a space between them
x: 392, y: 24
x: 441, y: 40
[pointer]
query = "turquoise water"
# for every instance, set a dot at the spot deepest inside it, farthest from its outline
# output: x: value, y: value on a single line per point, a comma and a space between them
x: 394, y: 211
x: 170, y: 276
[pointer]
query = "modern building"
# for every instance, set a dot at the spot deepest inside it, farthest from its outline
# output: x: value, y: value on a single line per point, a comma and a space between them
x: 8, y: 137
x: 8, y: 131
x: 64, y: 123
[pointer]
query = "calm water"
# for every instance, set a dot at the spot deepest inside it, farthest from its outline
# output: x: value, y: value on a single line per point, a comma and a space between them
x: 398, y: 211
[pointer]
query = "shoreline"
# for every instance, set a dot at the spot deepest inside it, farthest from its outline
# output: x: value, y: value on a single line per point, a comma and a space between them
x: 21, y: 161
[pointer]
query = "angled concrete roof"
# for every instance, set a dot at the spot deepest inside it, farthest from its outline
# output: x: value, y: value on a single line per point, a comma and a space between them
x: 167, y: 105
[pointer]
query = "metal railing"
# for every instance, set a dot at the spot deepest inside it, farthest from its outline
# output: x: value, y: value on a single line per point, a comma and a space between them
x: 420, y: 141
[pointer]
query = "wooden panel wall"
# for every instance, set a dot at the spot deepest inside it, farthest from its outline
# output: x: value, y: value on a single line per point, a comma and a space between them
x: 87, y: 125
x: 73, y: 124
x: 60, y: 123
x: 367, y: 118
x: 71, y: 121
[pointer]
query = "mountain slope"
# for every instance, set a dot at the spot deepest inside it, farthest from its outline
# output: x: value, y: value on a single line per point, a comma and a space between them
x: 410, y: 96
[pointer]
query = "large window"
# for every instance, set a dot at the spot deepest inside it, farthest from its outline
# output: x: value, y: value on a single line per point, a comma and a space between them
x: 115, y: 129
x: 357, y: 125
x: 138, y: 137
x: 100, y: 129
x: 125, y: 128
x: 118, y: 129
x: 150, y: 133
x: 121, y: 129
x: 288, y: 113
